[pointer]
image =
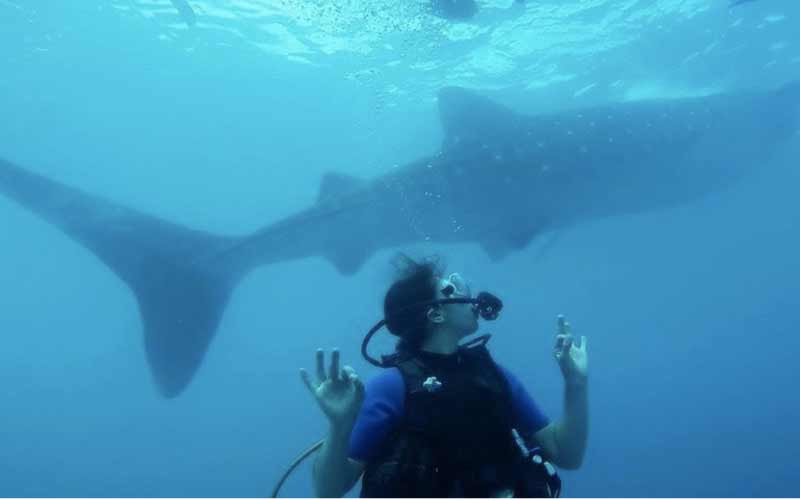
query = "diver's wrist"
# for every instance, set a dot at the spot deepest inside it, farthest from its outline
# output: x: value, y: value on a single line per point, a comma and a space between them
x: 341, y: 430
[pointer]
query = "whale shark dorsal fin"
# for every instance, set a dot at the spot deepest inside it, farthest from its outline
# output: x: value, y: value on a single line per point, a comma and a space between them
x: 467, y: 117
x: 336, y: 184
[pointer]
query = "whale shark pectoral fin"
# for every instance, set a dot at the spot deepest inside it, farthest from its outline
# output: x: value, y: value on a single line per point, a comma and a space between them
x: 495, y: 249
x: 499, y: 245
x: 335, y: 184
x: 348, y: 262
x: 549, y: 243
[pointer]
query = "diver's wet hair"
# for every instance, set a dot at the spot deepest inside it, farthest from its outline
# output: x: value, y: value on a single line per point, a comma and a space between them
x: 415, y: 285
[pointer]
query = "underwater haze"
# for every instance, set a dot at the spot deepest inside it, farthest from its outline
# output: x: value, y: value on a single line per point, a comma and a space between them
x: 228, y: 121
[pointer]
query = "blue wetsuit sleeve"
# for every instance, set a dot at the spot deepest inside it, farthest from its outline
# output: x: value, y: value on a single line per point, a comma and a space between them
x: 526, y: 413
x: 381, y: 411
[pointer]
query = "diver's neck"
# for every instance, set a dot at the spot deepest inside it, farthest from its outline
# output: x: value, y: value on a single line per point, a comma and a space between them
x: 441, y: 342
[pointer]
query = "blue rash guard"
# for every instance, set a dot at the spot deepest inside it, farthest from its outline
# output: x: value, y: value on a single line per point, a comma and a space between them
x: 384, y: 403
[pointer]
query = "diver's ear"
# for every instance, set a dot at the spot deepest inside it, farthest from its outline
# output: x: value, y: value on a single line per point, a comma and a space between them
x: 435, y: 315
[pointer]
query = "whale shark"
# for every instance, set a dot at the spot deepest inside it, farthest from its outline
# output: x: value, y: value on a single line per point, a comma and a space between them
x: 734, y: 3
x: 500, y: 179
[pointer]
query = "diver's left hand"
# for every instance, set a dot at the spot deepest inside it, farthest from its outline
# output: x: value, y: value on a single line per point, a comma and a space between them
x: 571, y: 358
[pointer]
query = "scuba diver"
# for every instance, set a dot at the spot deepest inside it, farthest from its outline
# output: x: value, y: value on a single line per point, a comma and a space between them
x: 443, y: 419
x: 457, y: 10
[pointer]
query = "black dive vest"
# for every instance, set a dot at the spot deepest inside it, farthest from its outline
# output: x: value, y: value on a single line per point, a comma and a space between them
x: 455, y: 438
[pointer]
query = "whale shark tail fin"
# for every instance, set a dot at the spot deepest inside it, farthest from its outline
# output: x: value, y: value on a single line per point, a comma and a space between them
x: 181, y: 286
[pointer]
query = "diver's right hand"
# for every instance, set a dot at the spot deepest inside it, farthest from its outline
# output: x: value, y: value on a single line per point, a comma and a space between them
x: 339, y: 394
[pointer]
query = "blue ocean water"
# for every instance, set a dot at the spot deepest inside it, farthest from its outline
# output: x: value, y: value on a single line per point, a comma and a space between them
x: 230, y: 124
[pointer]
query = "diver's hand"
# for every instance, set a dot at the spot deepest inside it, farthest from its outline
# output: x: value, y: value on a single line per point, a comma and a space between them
x: 339, y: 394
x: 571, y: 358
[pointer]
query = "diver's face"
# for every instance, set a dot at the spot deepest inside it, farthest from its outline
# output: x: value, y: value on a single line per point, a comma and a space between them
x: 461, y: 318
